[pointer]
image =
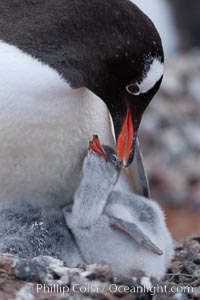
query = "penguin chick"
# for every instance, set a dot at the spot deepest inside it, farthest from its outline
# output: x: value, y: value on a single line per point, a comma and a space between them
x: 29, y: 231
x: 125, y: 230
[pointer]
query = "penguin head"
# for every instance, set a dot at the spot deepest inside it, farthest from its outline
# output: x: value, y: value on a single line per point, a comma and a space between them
x: 122, y: 63
x: 101, y: 163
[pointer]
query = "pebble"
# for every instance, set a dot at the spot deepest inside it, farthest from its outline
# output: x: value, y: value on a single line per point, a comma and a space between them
x: 49, y: 262
x: 30, y: 271
x: 25, y: 293
x: 180, y: 296
x: 197, y: 259
x: 189, y: 267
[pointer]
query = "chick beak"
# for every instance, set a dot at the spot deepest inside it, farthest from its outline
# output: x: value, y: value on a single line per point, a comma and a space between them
x: 95, y: 146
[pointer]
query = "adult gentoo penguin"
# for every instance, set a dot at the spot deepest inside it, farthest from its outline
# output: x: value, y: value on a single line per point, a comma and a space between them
x: 57, y: 58
x: 125, y: 230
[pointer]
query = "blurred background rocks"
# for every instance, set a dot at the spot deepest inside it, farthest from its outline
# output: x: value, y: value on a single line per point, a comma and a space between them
x: 187, y: 18
x: 170, y: 131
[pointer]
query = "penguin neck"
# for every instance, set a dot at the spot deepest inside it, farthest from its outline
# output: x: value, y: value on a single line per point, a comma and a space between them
x: 90, y: 200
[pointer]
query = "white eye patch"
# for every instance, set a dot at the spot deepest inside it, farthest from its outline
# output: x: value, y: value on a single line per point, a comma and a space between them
x: 153, y: 75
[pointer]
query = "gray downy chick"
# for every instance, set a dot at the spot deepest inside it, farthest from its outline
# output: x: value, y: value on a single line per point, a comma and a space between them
x: 125, y: 230
x: 29, y: 231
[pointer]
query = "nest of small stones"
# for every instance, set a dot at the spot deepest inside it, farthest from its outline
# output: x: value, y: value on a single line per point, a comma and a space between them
x: 46, y: 277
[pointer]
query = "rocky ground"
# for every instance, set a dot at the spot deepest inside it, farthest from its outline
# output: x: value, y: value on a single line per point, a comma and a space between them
x: 46, y: 278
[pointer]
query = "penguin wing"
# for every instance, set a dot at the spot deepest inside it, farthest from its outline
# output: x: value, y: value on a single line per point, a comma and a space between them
x: 132, y: 230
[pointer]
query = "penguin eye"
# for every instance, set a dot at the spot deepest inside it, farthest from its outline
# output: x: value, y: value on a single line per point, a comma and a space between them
x: 114, y: 158
x: 133, y: 89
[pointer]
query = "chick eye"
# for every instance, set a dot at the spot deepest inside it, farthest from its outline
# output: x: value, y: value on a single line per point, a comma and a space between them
x: 114, y: 158
x: 133, y: 89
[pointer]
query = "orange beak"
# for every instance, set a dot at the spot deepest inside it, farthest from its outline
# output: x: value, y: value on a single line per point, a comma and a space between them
x: 126, y: 139
x: 96, y: 147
